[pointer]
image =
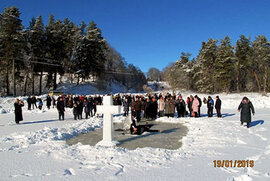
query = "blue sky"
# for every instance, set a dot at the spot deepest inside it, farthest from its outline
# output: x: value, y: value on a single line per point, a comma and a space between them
x: 153, y: 33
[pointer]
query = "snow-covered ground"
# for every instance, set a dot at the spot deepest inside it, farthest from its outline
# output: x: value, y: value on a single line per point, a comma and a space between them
x: 36, y: 149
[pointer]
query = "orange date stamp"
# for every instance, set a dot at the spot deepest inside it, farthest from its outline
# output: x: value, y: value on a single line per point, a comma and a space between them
x: 234, y: 163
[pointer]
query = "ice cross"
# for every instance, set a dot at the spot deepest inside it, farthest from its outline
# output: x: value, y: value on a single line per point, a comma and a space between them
x: 108, y: 109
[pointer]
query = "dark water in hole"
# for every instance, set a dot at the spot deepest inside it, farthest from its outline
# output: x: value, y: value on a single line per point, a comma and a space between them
x: 168, y: 137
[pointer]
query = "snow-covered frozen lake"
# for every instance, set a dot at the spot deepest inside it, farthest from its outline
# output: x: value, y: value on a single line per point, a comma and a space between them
x: 37, y: 148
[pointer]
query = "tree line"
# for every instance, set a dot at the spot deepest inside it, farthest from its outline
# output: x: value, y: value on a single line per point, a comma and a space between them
x: 61, y: 47
x: 221, y: 67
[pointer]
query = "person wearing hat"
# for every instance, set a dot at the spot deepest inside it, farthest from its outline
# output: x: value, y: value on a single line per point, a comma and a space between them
x: 246, y: 107
x: 61, y: 108
x: 210, y: 105
x: 18, y: 110
x: 218, y: 107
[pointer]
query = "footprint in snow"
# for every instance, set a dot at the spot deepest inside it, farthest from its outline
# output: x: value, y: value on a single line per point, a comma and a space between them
x: 27, y: 174
x: 260, y: 136
x: 242, y: 178
x: 70, y: 171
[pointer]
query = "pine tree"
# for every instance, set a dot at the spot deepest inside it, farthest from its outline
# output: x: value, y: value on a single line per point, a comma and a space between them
x: 97, y: 48
x: 261, y: 61
x: 55, y: 48
x: 224, y: 72
x: 12, y: 43
x: 204, y: 76
x: 36, y: 39
x: 243, y: 53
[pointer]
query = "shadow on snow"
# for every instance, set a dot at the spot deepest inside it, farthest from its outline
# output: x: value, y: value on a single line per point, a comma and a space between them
x: 43, y: 121
x: 255, y: 123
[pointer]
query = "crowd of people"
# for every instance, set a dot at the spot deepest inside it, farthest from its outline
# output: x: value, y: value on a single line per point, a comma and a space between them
x: 141, y: 106
x: 153, y: 106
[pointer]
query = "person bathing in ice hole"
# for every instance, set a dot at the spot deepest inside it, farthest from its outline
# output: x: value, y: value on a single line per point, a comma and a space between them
x: 140, y: 129
x: 246, y: 107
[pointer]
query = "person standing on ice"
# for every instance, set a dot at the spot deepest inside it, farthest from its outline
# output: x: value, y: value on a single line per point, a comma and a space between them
x: 86, y: 106
x: 195, y: 106
x: 126, y: 107
x: 29, y: 102
x: 210, y: 106
x: 180, y: 106
x: 246, y: 107
x: 18, y: 110
x: 61, y: 108
x: 161, y: 106
x: 200, y: 105
x: 218, y: 107
x: 48, y: 101
x: 40, y: 103
x: 189, y: 104
x: 137, y: 107
x: 75, y: 111
x: 34, y: 101
x: 80, y: 109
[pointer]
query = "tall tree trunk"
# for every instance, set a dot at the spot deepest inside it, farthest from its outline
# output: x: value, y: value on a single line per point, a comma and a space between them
x: 265, y: 79
x: 25, y: 83
x: 54, y: 80
x: 238, y: 77
x: 257, y: 80
x: 7, y: 82
x: 14, y: 78
x: 40, y: 83
x: 33, y: 83
x: 228, y: 87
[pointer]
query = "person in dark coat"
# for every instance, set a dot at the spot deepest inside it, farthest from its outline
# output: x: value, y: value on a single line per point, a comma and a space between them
x: 34, y: 101
x: 153, y: 108
x: 48, y: 102
x: 75, y: 111
x: 61, y: 108
x: 29, y: 102
x: 126, y: 107
x: 18, y: 110
x: 86, y: 106
x: 218, y: 107
x: 91, y: 104
x: 189, y: 104
x: 80, y: 109
x: 53, y: 101
x: 200, y: 105
x: 137, y: 107
x: 180, y: 107
x: 246, y: 107
x: 147, y: 108
x: 210, y: 106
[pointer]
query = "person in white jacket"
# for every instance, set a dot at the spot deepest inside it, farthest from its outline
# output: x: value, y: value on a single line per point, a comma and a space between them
x: 161, y: 107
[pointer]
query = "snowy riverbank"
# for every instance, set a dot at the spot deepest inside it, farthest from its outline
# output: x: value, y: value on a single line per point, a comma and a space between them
x: 36, y: 149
